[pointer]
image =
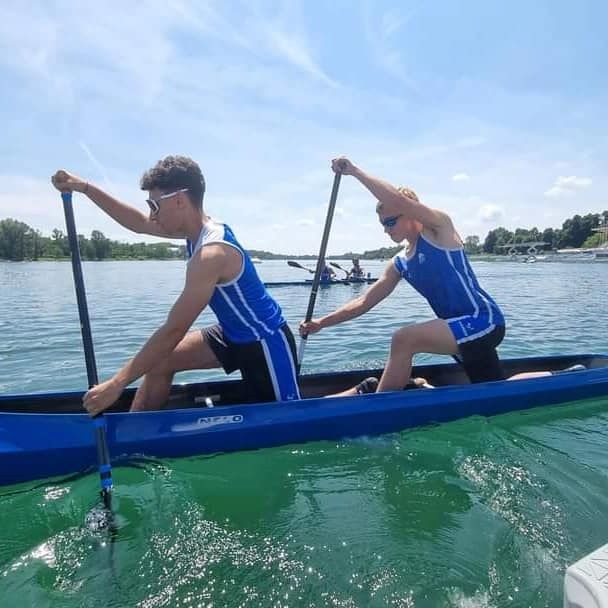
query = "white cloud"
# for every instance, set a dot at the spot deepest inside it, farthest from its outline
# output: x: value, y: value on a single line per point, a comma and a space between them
x: 246, y: 89
x: 100, y: 168
x: 490, y: 213
x: 295, y: 52
x: 567, y: 185
x: 379, y: 33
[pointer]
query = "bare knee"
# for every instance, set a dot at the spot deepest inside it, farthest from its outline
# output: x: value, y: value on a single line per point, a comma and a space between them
x: 404, y: 341
x: 166, y: 367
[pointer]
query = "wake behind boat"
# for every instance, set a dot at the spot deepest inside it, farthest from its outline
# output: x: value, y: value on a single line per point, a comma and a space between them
x: 43, y: 435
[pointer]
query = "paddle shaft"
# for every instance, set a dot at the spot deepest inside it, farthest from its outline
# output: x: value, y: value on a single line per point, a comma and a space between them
x: 298, y: 265
x: 103, y: 454
x: 320, y: 263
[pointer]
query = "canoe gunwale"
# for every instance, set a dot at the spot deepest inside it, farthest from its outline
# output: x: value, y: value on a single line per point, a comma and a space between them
x: 40, y: 445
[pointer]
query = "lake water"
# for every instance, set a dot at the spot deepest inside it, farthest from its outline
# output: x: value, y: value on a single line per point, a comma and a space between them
x: 474, y: 513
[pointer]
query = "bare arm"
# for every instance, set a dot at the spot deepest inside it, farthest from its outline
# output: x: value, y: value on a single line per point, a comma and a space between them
x: 387, y: 193
x: 201, y: 278
x: 124, y: 214
x: 383, y: 287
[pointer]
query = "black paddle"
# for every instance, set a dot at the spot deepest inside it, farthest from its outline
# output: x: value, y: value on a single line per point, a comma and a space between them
x: 336, y: 265
x: 297, y: 265
x: 320, y: 263
x: 96, y: 519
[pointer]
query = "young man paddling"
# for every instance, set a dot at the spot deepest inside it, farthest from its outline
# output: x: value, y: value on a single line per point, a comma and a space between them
x: 327, y: 274
x: 356, y: 272
x: 470, y: 325
x: 251, y: 334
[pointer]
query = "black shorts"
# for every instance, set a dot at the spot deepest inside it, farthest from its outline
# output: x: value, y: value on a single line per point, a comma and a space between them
x: 479, y: 357
x: 268, y: 366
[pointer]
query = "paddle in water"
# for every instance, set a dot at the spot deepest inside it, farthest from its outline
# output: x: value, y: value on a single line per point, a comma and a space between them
x: 100, y: 517
x: 320, y: 263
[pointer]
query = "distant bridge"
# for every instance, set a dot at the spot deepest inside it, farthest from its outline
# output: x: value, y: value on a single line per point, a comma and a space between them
x: 529, y: 247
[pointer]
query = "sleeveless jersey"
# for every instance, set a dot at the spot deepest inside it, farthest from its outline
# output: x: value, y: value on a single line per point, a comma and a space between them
x: 243, y: 307
x: 446, y: 280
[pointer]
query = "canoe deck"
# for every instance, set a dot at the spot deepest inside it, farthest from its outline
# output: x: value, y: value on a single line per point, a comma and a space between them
x: 232, y: 392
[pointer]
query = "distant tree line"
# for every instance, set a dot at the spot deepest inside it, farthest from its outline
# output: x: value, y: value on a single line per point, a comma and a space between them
x: 575, y: 232
x: 19, y: 242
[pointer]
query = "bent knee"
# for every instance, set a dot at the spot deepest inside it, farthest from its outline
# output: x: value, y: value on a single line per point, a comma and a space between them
x: 164, y: 367
x: 404, y: 340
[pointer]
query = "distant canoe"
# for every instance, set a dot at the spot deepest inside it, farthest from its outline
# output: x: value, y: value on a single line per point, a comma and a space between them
x: 308, y: 282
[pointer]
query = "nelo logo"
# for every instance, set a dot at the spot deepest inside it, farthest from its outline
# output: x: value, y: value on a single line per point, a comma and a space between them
x: 217, y: 420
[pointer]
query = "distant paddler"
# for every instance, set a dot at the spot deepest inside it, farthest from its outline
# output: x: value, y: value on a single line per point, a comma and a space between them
x: 327, y: 274
x: 356, y: 272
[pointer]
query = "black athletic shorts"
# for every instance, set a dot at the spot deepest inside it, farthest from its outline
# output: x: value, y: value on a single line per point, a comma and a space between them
x: 479, y: 357
x: 267, y: 366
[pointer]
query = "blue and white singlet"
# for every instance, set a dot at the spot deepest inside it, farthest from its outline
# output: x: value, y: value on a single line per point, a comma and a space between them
x: 243, y: 307
x: 248, y: 314
x: 446, y: 280
x: 326, y: 275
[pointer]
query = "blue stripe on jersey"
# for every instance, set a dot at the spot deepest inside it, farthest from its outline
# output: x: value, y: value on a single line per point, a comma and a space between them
x: 446, y: 280
x: 243, y: 307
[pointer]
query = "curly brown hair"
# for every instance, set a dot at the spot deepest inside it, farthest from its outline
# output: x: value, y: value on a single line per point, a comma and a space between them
x: 174, y: 173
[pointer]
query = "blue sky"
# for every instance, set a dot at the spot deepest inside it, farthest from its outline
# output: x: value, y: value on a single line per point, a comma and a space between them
x: 492, y: 111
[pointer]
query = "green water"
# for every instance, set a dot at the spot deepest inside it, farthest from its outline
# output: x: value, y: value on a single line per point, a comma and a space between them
x: 474, y: 513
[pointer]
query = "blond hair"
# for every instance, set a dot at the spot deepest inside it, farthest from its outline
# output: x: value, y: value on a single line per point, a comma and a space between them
x: 407, y: 192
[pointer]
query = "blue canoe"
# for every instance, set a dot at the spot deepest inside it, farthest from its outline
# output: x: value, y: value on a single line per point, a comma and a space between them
x: 308, y: 283
x: 43, y: 435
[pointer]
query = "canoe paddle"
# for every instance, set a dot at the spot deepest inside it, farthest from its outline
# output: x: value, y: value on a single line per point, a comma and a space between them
x: 320, y: 263
x: 297, y: 265
x: 336, y: 265
x: 97, y: 519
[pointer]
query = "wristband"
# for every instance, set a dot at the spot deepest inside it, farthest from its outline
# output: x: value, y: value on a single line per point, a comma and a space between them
x: 86, y: 188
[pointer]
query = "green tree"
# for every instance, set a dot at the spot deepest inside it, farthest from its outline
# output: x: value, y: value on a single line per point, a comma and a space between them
x: 496, y: 239
x: 551, y: 236
x: 100, y: 245
x: 86, y: 248
x: 18, y: 241
x: 576, y: 230
x: 471, y: 244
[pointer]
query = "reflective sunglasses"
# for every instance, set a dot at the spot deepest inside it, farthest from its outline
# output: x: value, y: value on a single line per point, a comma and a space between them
x: 391, y: 221
x: 154, y: 203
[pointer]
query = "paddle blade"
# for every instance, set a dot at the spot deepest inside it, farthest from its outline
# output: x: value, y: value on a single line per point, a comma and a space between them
x: 297, y: 265
x: 336, y: 265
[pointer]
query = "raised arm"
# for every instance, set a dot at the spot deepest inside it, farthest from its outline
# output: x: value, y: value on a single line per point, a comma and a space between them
x: 124, y: 214
x: 387, y: 193
x: 383, y: 287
